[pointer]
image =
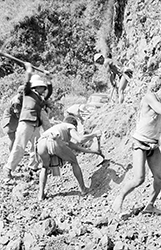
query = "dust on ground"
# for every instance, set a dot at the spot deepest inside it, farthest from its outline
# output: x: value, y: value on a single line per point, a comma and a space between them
x: 65, y: 219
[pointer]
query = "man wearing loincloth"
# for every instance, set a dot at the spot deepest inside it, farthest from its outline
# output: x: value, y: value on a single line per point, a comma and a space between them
x: 146, y: 148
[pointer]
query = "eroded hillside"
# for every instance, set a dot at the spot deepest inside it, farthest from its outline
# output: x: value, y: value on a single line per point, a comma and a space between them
x: 66, y: 220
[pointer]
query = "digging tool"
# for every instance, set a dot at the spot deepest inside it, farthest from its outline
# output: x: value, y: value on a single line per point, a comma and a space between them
x: 99, y: 149
x: 20, y: 61
x: 112, y: 93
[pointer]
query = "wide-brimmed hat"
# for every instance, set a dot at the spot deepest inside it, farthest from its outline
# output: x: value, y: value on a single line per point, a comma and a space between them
x: 36, y: 81
x: 97, y: 56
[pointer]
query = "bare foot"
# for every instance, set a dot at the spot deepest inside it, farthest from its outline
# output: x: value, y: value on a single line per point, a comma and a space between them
x: 41, y: 197
x: 117, y: 205
x: 7, y: 174
x: 85, y: 191
x: 150, y: 209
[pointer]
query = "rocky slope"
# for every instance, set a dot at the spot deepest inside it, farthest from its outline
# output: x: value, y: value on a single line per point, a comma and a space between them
x: 66, y: 220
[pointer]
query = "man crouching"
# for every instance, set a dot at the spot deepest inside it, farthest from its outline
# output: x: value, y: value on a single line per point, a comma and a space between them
x: 55, y: 145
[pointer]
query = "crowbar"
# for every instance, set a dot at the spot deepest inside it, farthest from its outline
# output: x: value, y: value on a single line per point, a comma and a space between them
x: 19, y: 61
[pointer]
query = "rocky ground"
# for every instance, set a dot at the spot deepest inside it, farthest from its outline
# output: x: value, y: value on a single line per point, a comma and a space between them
x: 65, y: 219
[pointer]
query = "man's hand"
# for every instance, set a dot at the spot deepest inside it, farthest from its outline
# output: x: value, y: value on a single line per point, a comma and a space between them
x: 98, y: 133
x: 48, y: 76
x: 46, y: 72
x: 98, y: 152
x: 28, y: 67
x: 107, y: 62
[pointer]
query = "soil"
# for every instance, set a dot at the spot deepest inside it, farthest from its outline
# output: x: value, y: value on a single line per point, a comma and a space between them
x: 67, y: 220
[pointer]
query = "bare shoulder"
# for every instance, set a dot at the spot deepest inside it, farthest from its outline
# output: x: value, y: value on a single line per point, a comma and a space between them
x: 149, y: 98
x: 152, y: 102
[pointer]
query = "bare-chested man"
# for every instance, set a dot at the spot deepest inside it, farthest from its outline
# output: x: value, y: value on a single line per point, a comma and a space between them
x: 123, y: 76
x: 146, y: 148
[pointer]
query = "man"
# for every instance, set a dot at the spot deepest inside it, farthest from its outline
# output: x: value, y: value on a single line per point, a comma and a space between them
x: 114, y: 71
x: 125, y: 78
x: 146, y: 148
x: 11, y: 116
x: 30, y: 119
x: 56, y: 144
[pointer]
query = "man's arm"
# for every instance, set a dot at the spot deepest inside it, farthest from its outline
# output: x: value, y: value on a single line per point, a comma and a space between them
x: 153, y: 102
x: 27, y: 87
x: 49, y: 85
x: 83, y: 138
x: 82, y: 149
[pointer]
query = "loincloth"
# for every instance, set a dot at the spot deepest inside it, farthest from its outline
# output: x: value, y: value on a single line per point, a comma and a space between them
x: 145, y: 146
x: 58, y: 150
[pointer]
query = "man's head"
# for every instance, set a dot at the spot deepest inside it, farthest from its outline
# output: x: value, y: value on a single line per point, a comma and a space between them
x: 20, y: 89
x: 72, y: 120
x: 38, y: 84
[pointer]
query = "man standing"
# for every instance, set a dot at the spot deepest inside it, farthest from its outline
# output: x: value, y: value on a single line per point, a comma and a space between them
x: 11, y: 116
x: 146, y: 148
x: 114, y: 73
x: 30, y: 118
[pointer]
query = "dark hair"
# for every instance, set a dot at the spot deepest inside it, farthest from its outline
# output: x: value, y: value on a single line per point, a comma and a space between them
x: 71, y: 119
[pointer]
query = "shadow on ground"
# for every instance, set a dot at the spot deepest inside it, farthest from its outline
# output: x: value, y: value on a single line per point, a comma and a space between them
x: 100, y: 180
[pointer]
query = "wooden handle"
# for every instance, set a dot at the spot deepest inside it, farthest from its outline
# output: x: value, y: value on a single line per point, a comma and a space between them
x: 19, y: 61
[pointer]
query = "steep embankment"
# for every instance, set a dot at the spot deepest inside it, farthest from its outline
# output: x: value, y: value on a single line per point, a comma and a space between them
x: 88, y: 222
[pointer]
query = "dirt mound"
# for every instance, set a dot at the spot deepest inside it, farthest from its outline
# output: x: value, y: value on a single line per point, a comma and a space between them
x: 66, y: 220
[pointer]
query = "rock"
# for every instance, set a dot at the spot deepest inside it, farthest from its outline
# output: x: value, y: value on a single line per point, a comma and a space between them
x: 97, y: 235
x: 104, y: 241
x: 20, y: 191
x: 101, y: 222
x: 4, y: 240
x: 49, y: 227
x: 45, y: 214
x: 119, y: 245
x: 89, y: 246
x: 29, y: 241
x: 1, y: 226
x: 105, y: 195
x: 14, y: 244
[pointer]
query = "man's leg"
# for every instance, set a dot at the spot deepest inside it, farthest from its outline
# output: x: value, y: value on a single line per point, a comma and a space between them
x: 139, y: 158
x: 78, y: 175
x: 42, y: 183
x: 154, y: 163
x: 66, y: 154
x: 45, y: 120
x: 11, y: 136
x: 45, y: 157
x: 122, y: 85
x: 33, y: 164
x: 23, y: 134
